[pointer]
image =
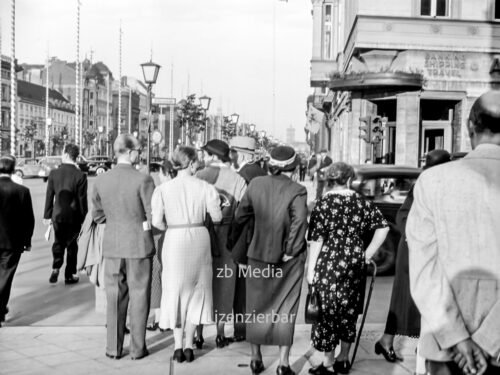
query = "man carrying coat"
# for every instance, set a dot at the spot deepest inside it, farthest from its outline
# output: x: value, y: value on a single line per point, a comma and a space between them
x: 122, y: 199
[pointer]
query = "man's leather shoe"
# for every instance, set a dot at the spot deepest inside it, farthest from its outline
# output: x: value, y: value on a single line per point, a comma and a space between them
x: 113, y: 356
x: 284, y: 370
x: 53, y: 276
x: 236, y: 339
x: 321, y: 370
x: 153, y: 326
x: 145, y: 354
x: 221, y: 341
x: 199, y: 342
x: 342, y: 367
x: 71, y: 280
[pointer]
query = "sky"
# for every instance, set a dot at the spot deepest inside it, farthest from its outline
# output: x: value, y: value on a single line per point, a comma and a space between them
x: 220, y: 48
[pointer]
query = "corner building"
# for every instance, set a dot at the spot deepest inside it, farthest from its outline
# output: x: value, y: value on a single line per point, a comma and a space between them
x: 419, y: 63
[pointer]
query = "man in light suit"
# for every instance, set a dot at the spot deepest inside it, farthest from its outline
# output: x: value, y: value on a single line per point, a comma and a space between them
x: 122, y: 199
x: 16, y: 227
x: 454, y: 252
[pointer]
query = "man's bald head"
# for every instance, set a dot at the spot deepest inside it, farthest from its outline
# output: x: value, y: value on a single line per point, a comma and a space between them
x: 124, y: 143
x: 485, y: 112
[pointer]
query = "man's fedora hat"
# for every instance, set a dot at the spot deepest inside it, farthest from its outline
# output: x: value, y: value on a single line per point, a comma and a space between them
x: 219, y: 148
x: 243, y: 144
x: 284, y: 158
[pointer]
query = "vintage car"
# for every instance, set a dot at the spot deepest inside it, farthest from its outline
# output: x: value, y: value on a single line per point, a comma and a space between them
x: 98, y: 164
x: 54, y: 162
x: 387, y: 186
x: 30, y: 168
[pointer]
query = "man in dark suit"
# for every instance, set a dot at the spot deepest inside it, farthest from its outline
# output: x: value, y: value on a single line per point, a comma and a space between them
x: 16, y: 227
x: 323, y: 162
x: 66, y: 207
x: 122, y: 199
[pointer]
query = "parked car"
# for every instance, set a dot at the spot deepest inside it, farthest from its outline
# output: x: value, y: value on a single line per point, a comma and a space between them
x: 387, y: 186
x: 54, y: 162
x: 30, y: 168
x: 99, y: 164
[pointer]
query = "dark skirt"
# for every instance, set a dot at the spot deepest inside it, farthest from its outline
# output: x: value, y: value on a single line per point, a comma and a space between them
x: 404, y: 317
x: 273, y: 301
x: 224, y: 275
x: 158, y: 238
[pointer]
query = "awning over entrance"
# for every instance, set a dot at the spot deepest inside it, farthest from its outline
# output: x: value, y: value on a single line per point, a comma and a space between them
x: 367, y: 81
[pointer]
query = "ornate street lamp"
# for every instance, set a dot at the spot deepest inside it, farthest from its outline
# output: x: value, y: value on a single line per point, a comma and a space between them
x: 150, y: 72
x: 252, y: 128
x: 205, y: 105
x: 234, y: 118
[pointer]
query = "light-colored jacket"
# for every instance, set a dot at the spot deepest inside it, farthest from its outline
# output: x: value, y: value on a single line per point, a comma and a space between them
x: 453, y: 232
x: 90, y: 258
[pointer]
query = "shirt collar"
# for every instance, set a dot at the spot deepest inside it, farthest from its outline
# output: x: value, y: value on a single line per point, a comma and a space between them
x: 485, y: 151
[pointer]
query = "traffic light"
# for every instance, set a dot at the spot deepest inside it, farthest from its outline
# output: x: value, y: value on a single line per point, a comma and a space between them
x: 365, y: 130
x: 377, y: 129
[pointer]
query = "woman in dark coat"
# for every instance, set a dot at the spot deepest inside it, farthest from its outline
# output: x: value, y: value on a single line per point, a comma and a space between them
x: 276, y: 256
x: 338, y: 223
x: 404, y: 317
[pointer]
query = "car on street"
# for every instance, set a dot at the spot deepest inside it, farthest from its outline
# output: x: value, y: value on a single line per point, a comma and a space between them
x: 98, y: 164
x: 31, y: 168
x: 387, y: 186
x: 54, y: 162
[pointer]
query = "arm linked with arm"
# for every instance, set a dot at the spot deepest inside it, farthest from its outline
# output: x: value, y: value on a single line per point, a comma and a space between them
x: 244, y: 212
x: 298, y: 225
x: 158, y: 210
x: 146, y: 191
x: 429, y: 285
x: 377, y: 241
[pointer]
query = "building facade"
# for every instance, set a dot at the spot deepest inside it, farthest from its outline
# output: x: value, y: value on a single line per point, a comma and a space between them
x: 412, y: 68
x: 5, y: 104
x: 30, y: 113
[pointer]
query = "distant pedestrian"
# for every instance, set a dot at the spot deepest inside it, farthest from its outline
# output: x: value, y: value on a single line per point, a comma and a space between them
x: 231, y: 187
x: 403, y: 317
x: 454, y: 252
x: 180, y: 207
x: 323, y: 162
x: 302, y: 168
x: 122, y: 199
x: 16, y: 228
x: 313, y: 160
x: 278, y: 248
x: 65, y: 210
x: 339, y: 221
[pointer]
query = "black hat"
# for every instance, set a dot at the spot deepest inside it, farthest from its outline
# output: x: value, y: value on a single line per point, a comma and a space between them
x: 219, y: 148
x: 284, y: 158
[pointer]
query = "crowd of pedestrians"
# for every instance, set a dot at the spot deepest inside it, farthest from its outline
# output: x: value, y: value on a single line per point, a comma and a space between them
x: 222, y: 240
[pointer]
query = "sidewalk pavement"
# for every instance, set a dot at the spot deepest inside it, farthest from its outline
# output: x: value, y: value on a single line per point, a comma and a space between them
x: 81, y: 350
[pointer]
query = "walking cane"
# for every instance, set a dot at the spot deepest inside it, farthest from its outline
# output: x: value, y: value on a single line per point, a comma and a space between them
x: 364, y: 312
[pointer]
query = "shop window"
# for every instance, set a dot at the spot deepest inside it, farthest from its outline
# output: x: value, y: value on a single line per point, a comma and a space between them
x: 437, y: 110
x: 497, y: 10
x: 91, y: 95
x: 434, y: 8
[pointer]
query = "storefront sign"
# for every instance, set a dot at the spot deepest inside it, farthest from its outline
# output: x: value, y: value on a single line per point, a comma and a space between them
x: 445, y: 64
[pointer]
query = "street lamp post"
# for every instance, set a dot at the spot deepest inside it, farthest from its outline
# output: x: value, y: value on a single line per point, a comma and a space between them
x: 234, y: 120
x: 205, y: 105
x: 150, y: 71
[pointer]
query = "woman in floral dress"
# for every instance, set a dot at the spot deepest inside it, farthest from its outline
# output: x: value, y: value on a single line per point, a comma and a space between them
x: 336, y: 263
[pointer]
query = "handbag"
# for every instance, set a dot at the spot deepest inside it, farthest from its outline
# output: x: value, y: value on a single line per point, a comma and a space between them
x: 312, y: 305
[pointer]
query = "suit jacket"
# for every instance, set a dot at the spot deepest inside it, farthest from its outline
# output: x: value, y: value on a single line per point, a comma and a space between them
x: 453, y: 232
x: 17, y: 221
x: 251, y: 170
x: 122, y: 199
x: 66, y: 198
x: 279, y: 207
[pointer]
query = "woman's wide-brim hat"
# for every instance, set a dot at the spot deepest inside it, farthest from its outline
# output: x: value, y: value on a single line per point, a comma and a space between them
x: 284, y: 158
x: 219, y: 148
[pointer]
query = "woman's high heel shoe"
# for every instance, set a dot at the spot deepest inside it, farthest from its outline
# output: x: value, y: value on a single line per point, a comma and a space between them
x: 188, y: 353
x: 220, y: 341
x: 179, y: 355
x: 256, y: 366
x: 199, y: 342
x: 389, y: 355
